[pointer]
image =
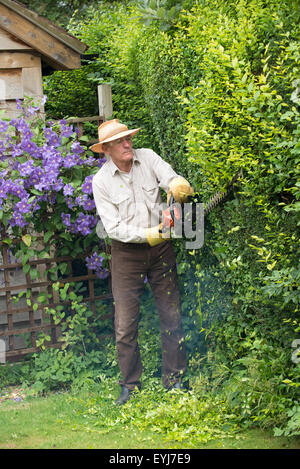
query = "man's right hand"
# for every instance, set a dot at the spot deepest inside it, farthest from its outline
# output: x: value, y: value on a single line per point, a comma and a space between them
x: 156, y: 235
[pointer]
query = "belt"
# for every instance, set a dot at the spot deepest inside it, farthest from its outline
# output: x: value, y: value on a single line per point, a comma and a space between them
x: 120, y: 244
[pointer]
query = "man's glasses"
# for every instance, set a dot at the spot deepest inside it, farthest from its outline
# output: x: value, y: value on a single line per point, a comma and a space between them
x: 122, y: 140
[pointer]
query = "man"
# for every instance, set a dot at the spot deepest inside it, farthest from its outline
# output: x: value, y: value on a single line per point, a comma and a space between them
x: 127, y: 198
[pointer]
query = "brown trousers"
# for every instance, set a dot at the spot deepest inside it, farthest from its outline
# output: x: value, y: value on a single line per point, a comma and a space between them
x: 130, y: 263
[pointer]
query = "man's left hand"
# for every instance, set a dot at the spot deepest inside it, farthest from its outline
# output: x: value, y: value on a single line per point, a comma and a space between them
x: 180, y: 189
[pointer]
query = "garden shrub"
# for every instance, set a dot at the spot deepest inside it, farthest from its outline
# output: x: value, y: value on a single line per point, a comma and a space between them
x: 71, y: 93
x: 221, y: 94
x: 46, y: 210
x: 244, y: 113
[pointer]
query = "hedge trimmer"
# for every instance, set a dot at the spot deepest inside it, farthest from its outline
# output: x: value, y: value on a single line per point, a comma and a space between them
x: 220, y: 197
x: 176, y: 215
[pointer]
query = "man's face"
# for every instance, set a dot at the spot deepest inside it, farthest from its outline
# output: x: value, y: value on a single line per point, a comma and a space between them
x: 120, y: 151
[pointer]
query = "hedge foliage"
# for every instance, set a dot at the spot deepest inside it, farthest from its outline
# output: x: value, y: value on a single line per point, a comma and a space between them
x: 218, y: 92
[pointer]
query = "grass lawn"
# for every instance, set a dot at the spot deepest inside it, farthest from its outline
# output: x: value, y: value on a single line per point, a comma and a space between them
x: 90, y: 419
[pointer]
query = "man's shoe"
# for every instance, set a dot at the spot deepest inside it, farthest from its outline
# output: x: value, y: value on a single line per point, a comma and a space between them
x: 124, y: 396
x: 179, y: 385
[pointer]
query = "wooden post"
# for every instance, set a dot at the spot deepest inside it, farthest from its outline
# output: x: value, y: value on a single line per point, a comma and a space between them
x: 105, y: 101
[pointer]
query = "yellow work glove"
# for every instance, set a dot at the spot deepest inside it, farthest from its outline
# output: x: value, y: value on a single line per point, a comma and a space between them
x: 155, y: 235
x: 180, y: 189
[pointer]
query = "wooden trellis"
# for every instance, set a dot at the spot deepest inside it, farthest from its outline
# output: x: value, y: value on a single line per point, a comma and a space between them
x: 25, y: 318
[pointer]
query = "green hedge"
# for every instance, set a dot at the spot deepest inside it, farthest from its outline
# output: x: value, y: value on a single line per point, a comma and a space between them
x: 216, y: 93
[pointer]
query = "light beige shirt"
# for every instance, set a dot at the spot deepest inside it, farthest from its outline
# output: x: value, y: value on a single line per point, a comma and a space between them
x: 128, y: 203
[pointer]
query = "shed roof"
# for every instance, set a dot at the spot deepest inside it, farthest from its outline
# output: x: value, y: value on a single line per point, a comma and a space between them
x: 58, y: 48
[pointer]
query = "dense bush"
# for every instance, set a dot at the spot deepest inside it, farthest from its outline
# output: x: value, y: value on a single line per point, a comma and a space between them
x: 215, y: 93
x: 244, y: 113
x: 67, y: 100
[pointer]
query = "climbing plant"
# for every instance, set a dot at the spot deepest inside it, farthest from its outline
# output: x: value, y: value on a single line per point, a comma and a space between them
x: 46, y: 203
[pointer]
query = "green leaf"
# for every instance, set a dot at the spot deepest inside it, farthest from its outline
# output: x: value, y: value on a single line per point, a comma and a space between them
x: 47, y: 236
x: 26, y: 268
x: 66, y: 236
x: 34, y: 274
x: 27, y: 239
x: 63, y: 267
x: 42, y: 297
x: 84, y: 138
x: 7, y: 241
x: 161, y: 13
x: 36, y: 192
x: 25, y: 258
x: 234, y: 62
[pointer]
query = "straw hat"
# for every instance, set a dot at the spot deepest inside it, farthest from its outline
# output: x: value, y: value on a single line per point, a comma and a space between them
x: 109, y: 131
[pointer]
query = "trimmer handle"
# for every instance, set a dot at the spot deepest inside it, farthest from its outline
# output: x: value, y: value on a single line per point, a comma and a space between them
x: 171, y: 203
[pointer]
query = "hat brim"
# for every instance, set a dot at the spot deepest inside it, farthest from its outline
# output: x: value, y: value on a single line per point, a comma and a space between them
x: 97, y: 148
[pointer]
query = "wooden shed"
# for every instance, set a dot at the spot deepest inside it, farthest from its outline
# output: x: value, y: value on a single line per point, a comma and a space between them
x: 29, y: 44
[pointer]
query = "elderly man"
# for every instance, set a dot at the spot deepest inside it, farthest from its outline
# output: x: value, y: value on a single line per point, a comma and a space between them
x: 128, y: 201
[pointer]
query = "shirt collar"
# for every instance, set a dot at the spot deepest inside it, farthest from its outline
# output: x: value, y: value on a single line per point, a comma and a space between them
x: 114, y: 168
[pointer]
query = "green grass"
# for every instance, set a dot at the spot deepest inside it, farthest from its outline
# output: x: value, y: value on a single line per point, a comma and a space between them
x: 90, y: 419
